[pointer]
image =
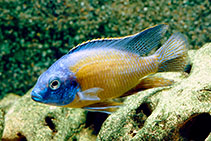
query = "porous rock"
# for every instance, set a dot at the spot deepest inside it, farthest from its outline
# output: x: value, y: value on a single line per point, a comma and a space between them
x: 178, y: 112
x: 8, y: 101
x: 29, y: 120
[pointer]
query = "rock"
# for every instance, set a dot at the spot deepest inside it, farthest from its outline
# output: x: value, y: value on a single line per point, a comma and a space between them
x: 8, y: 101
x: 178, y: 112
x: 29, y: 120
x: 208, y: 138
x: 1, y: 122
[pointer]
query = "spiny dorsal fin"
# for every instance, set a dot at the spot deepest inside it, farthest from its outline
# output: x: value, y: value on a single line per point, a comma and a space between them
x: 140, y: 43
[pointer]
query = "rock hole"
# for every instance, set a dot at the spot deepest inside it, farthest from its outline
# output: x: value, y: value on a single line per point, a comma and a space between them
x: 145, y: 109
x: 188, y: 68
x: 50, y: 123
x: 132, y: 133
x: 74, y: 139
x: 197, y: 127
x: 95, y: 120
x: 21, y: 137
x: 142, y: 112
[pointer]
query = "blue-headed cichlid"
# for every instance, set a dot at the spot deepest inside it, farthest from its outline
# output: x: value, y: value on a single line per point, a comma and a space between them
x: 96, y: 71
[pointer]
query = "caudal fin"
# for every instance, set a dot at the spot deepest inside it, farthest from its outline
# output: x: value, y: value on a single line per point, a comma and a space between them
x: 172, y: 56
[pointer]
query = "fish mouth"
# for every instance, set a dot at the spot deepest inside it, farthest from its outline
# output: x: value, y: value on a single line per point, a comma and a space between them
x: 36, y: 97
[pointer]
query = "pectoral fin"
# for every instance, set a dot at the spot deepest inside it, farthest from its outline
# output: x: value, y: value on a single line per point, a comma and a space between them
x: 105, y: 107
x: 149, y: 82
x: 90, y: 94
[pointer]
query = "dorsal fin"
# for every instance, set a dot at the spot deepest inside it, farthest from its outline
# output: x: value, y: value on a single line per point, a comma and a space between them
x: 140, y: 43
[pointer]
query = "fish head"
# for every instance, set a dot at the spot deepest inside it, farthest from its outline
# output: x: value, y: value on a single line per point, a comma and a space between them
x: 55, y: 86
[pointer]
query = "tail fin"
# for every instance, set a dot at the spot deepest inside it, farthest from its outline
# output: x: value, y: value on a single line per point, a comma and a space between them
x: 172, y: 56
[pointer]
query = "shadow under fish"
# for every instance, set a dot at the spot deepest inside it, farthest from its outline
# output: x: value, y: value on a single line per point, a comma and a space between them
x: 97, y: 71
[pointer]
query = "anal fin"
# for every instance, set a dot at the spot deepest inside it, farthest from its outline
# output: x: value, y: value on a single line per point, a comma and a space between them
x: 107, y: 106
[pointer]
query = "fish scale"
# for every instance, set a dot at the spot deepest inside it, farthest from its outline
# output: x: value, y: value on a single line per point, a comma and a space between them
x: 104, y: 64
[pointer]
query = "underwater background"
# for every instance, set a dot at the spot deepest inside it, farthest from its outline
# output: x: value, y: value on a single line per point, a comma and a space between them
x: 34, y: 34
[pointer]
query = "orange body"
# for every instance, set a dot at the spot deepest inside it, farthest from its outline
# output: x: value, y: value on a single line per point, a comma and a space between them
x: 114, y: 71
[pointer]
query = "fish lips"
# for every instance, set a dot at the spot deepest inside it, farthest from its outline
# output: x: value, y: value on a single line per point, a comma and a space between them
x: 36, y: 97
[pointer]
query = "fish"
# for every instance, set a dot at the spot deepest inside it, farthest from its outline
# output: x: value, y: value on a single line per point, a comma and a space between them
x: 97, y: 71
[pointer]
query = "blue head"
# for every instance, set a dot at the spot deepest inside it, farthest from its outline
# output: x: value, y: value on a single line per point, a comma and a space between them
x: 56, y: 86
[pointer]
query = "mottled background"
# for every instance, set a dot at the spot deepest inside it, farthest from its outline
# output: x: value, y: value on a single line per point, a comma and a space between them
x: 34, y: 34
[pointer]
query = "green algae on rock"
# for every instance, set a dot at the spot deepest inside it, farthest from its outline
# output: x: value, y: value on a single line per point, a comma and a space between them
x: 29, y: 120
x: 180, y: 111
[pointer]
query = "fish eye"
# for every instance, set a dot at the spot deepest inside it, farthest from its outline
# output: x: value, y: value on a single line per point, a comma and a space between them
x: 54, y: 84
